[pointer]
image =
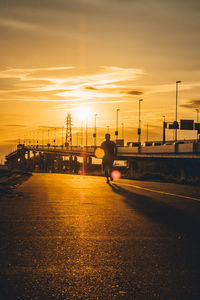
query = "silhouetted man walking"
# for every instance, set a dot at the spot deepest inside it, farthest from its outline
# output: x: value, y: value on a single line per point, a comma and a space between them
x: 110, y: 151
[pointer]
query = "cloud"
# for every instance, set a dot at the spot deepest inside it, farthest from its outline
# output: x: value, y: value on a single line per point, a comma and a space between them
x: 192, y: 104
x: 8, y: 83
x: 16, y: 24
x: 51, y: 128
x: 168, y: 88
x: 11, y: 141
x: 133, y: 92
x: 16, y: 125
x: 90, y: 88
x: 29, y: 73
x: 67, y: 84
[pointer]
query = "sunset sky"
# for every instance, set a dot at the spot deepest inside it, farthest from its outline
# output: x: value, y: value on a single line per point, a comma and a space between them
x: 59, y: 56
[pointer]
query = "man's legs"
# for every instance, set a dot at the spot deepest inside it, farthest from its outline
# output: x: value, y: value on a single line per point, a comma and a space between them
x: 106, y: 170
x: 107, y: 167
x: 110, y: 170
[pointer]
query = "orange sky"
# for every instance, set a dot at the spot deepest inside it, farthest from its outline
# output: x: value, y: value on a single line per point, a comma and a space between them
x: 58, y: 56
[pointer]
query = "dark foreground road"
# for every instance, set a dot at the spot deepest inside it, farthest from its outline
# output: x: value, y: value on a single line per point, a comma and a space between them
x: 73, y: 237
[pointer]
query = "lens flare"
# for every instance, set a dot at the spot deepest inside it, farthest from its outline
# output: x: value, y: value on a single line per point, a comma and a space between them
x: 115, y: 174
x: 99, y: 153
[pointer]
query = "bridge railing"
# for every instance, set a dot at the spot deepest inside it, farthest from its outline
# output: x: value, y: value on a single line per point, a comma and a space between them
x: 180, y: 147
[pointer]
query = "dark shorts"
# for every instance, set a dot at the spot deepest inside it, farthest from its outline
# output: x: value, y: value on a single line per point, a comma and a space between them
x: 107, y: 164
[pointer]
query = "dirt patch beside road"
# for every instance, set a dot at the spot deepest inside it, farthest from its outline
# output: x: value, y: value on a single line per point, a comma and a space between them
x: 11, y: 179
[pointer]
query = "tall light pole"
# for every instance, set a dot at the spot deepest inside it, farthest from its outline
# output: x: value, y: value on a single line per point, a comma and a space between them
x: 48, y: 137
x: 164, y: 126
x: 95, y: 130
x: 86, y: 133
x: 77, y: 137
x: 116, y: 132
x: 62, y: 136
x: 139, y: 123
x: 147, y: 132
x: 197, y: 110
x: 176, y: 125
x: 81, y: 133
x: 54, y: 137
x: 122, y: 131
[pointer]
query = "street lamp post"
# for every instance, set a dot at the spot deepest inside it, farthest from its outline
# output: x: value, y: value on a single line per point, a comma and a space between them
x: 48, y: 144
x: 95, y: 130
x: 177, y: 82
x: 147, y: 132
x: 139, y: 124
x: 62, y: 137
x: 54, y: 137
x: 116, y: 132
x: 197, y: 110
x: 81, y: 133
x: 164, y: 126
x: 122, y: 131
x: 86, y: 134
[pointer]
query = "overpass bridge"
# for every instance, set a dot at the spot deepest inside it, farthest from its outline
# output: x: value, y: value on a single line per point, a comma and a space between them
x: 165, y: 157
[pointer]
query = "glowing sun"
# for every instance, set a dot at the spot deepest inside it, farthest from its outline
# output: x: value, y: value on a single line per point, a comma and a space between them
x: 83, y: 113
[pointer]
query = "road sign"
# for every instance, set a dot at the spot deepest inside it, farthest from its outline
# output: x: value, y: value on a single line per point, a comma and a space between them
x: 187, y: 125
x: 174, y: 125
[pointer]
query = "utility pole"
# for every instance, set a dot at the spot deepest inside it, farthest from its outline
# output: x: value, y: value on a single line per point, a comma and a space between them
x: 55, y: 137
x: 77, y: 137
x: 176, y: 124
x: 48, y: 137
x: 86, y: 134
x: 147, y: 132
x: 81, y: 133
x: 197, y: 110
x: 62, y: 136
x: 116, y: 132
x: 42, y: 138
x: 122, y: 131
x: 164, y: 126
x: 95, y: 130
x: 139, y: 123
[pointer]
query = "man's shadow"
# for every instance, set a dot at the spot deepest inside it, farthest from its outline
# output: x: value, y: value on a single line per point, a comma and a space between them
x: 177, y: 220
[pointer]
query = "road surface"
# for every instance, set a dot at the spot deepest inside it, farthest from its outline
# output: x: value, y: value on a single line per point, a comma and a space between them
x: 76, y: 237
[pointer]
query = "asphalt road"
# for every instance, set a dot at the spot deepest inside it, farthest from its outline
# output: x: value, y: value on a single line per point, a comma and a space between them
x: 76, y: 237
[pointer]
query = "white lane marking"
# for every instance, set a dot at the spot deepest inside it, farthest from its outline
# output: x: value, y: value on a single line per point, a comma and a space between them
x: 159, y: 192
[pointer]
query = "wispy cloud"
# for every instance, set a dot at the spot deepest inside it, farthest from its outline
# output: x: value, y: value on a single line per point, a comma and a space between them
x: 133, y: 93
x: 17, y: 24
x: 59, y: 84
x: 90, y: 88
x: 167, y: 88
x: 15, y: 125
x: 192, y: 104
x: 29, y: 73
